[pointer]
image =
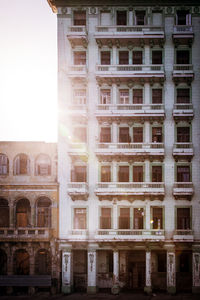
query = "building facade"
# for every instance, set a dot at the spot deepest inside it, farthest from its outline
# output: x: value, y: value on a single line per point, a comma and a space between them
x: 29, y: 255
x: 128, y: 145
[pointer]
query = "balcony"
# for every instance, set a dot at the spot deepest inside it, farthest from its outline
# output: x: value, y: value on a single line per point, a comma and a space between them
x: 183, y: 111
x: 130, y: 149
x: 183, y: 189
x: 25, y: 233
x: 77, y: 36
x: 78, y: 190
x: 130, y: 234
x: 78, y: 234
x: 77, y: 71
x: 183, y: 73
x: 124, y: 73
x: 78, y: 149
x: 140, y: 111
x: 130, y: 189
x: 126, y: 35
x: 183, y: 151
x: 183, y: 35
x: 182, y: 235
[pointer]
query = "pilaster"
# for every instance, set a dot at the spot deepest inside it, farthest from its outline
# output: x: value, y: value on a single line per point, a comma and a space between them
x: 196, y: 271
x: 171, y: 271
x: 67, y: 271
x: 148, y: 288
x: 92, y: 262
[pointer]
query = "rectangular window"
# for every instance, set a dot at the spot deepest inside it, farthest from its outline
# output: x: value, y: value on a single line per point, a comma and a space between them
x: 123, y: 174
x: 105, y: 135
x: 80, y: 218
x: 138, y: 173
x: 124, y: 96
x: 80, y: 135
x: 105, y: 57
x: 105, y: 221
x: 138, y: 218
x: 156, y: 96
x: 183, y: 218
x: 121, y: 18
x: 182, y: 57
x: 157, y: 217
x: 182, y: 17
x: 137, y: 96
x: 183, y: 134
x: 105, y: 97
x: 157, y: 57
x: 79, y: 97
x: 79, y: 18
x: 79, y: 174
x: 183, y: 96
x: 156, y: 173
x: 123, y: 58
x: 105, y: 174
x: 124, y: 218
x: 140, y: 17
x: 137, y: 134
x: 80, y: 58
x: 124, y: 135
x: 183, y: 174
x: 137, y: 58
x: 3, y: 164
x: 156, y: 134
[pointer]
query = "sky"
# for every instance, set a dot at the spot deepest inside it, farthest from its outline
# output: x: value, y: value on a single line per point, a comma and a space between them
x: 28, y: 71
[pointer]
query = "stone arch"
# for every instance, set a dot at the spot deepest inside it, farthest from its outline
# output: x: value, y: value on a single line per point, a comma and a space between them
x: 43, y: 212
x: 4, y: 213
x: 21, y: 164
x: 23, y: 213
x: 21, y: 261
x: 3, y: 262
x: 43, y: 165
x: 43, y: 262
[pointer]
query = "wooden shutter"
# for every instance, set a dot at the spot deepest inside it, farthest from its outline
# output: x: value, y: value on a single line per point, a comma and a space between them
x: 137, y: 57
x: 137, y: 96
x: 124, y: 135
x: 105, y: 221
x: 124, y: 219
x: 105, y: 57
x: 157, y: 218
x: 123, y: 57
x: 138, y: 173
x: 156, y: 173
x: 183, y: 218
x: 138, y: 134
x: 156, y: 96
x: 105, y: 174
x: 138, y: 218
x: 183, y: 96
x: 123, y: 174
x: 157, y: 57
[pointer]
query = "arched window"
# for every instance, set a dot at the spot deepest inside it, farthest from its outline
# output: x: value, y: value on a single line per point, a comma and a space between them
x: 21, y: 262
x: 21, y: 165
x: 4, y: 164
x: 43, y: 212
x: 43, y: 165
x: 23, y: 212
x: 43, y: 262
x: 3, y: 262
x: 4, y: 213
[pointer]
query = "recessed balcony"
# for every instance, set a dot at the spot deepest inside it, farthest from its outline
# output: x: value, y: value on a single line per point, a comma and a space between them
x: 130, y: 188
x: 183, y: 151
x: 182, y: 111
x: 183, y: 73
x: 183, y: 235
x: 183, y: 189
x: 77, y: 35
x: 24, y: 233
x: 78, y: 190
x: 130, y: 149
x: 77, y: 71
x: 125, y: 35
x: 130, y: 234
x: 183, y: 35
x: 142, y: 111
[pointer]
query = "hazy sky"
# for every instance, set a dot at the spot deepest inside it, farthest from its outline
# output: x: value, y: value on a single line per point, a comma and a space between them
x: 27, y: 71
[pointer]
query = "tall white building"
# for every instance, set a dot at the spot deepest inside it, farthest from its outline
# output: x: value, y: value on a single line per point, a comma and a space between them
x: 128, y: 147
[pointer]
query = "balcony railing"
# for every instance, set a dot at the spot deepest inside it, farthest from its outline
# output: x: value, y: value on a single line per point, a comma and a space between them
x: 78, y: 69
x: 144, y: 146
x: 130, y: 29
x: 138, y: 69
x: 130, y: 185
x: 79, y: 232
x: 80, y: 146
x: 129, y: 232
x: 77, y: 185
x: 183, y: 146
x: 24, y: 232
x: 82, y: 107
x: 183, y: 106
x: 183, y: 189
x: 78, y: 190
x: 142, y: 107
x: 183, y: 232
x: 183, y: 67
x: 183, y: 29
x: 77, y: 30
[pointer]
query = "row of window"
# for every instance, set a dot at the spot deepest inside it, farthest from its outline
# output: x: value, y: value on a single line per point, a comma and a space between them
x: 183, y: 17
x: 132, y: 96
x: 23, y: 213
x: 134, y: 172
x: 135, y: 57
x: 21, y: 165
x: 132, y: 134
x: 133, y: 218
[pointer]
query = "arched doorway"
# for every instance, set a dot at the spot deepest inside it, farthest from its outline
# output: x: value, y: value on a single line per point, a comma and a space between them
x: 21, y: 262
x: 43, y: 262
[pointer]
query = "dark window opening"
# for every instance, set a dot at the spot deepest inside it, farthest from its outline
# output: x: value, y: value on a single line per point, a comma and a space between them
x: 44, y: 212
x: 137, y: 57
x: 184, y: 260
x: 123, y: 57
x: 4, y: 164
x: 138, y: 218
x: 105, y: 174
x: 183, y: 174
x: 182, y: 17
x: 156, y: 173
x: 124, y: 136
x: 123, y: 174
x: 138, y: 134
x: 138, y: 173
x: 4, y: 213
x: 79, y: 174
x: 137, y: 96
x: 157, y: 218
x: 182, y: 57
x: 162, y: 264
x: 156, y: 134
x: 21, y: 262
x: 156, y: 96
x: 105, y: 57
x: 3, y: 262
x: 140, y: 17
x: 105, y: 221
x: 183, y: 96
x: 43, y: 262
x: 124, y: 218
x: 157, y: 57
x: 105, y: 135
x: 183, y: 134
x: 121, y: 18
x: 23, y: 211
x: 79, y: 18
x: 183, y: 218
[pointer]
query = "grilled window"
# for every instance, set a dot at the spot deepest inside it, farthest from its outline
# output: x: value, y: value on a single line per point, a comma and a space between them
x: 79, y: 174
x: 157, y: 57
x: 80, y: 218
x: 123, y: 57
x: 157, y: 218
x: 138, y: 134
x: 79, y: 97
x: 121, y: 18
x: 124, y: 96
x: 105, y: 174
x: 156, y: 173
x: 138, y: 173
x: 137, y: 96
x: 105, y: 135
x: 140, y: 17
x: 3, y: 164
x: 124, y: 135
x: 183, y: 134
x: 105, y: 220
x: 105, y: 97
x: 123, y: 174
x: 79, y: 18
x: 183, y: 96
x: 105, y: 57
x: 80, y: 135
x: 138, y: 218
x: 182, y: 57
x: 183, y: 218
x: 80, y: 58
x: 183, y: 174
x: 156, y: 96
x: 137, y: 57
x: 157, y: 134
x: 124, y: 218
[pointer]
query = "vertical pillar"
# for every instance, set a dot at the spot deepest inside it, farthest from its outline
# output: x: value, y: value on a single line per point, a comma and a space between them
x: 115, y: 217
x: 147, y: 55
x: 115, y: 287
x: 32, y: 217
x: 148, y: 215
x: 66, y: 271
x: 147, y: 134
x: 91, y: 287
x: 196, y: 272
x: 147, y: 93
x: 171, y: 271
x: 114, y: 95
x: 11, y: 214
x: 114, y: 62
x: 147, y: 288
x: 114, y: 135
x: 114, y: 167
x: 130, y: 17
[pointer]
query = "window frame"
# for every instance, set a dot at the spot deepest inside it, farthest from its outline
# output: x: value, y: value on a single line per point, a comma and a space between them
x: 73, y: 216
x: 176, y: 216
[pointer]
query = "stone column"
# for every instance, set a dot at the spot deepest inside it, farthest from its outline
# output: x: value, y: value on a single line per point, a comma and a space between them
x: 11, y: 214
x: 114, y: 62
x: 115, y: 216
x: 115, y: 287
x: 148, y: 215
x: 114, y: 94
x: 171, y: 271
x: 114, y: 133
x: 114, y: 167
x: 92, y: 269
x: 196, y: 272
x: 147, y: 288
x: 67, y: 274
x: 130, y: 17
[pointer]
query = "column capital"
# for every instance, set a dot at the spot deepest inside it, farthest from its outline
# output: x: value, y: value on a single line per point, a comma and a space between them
x: 169, y: 247
x: 196, y: 248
